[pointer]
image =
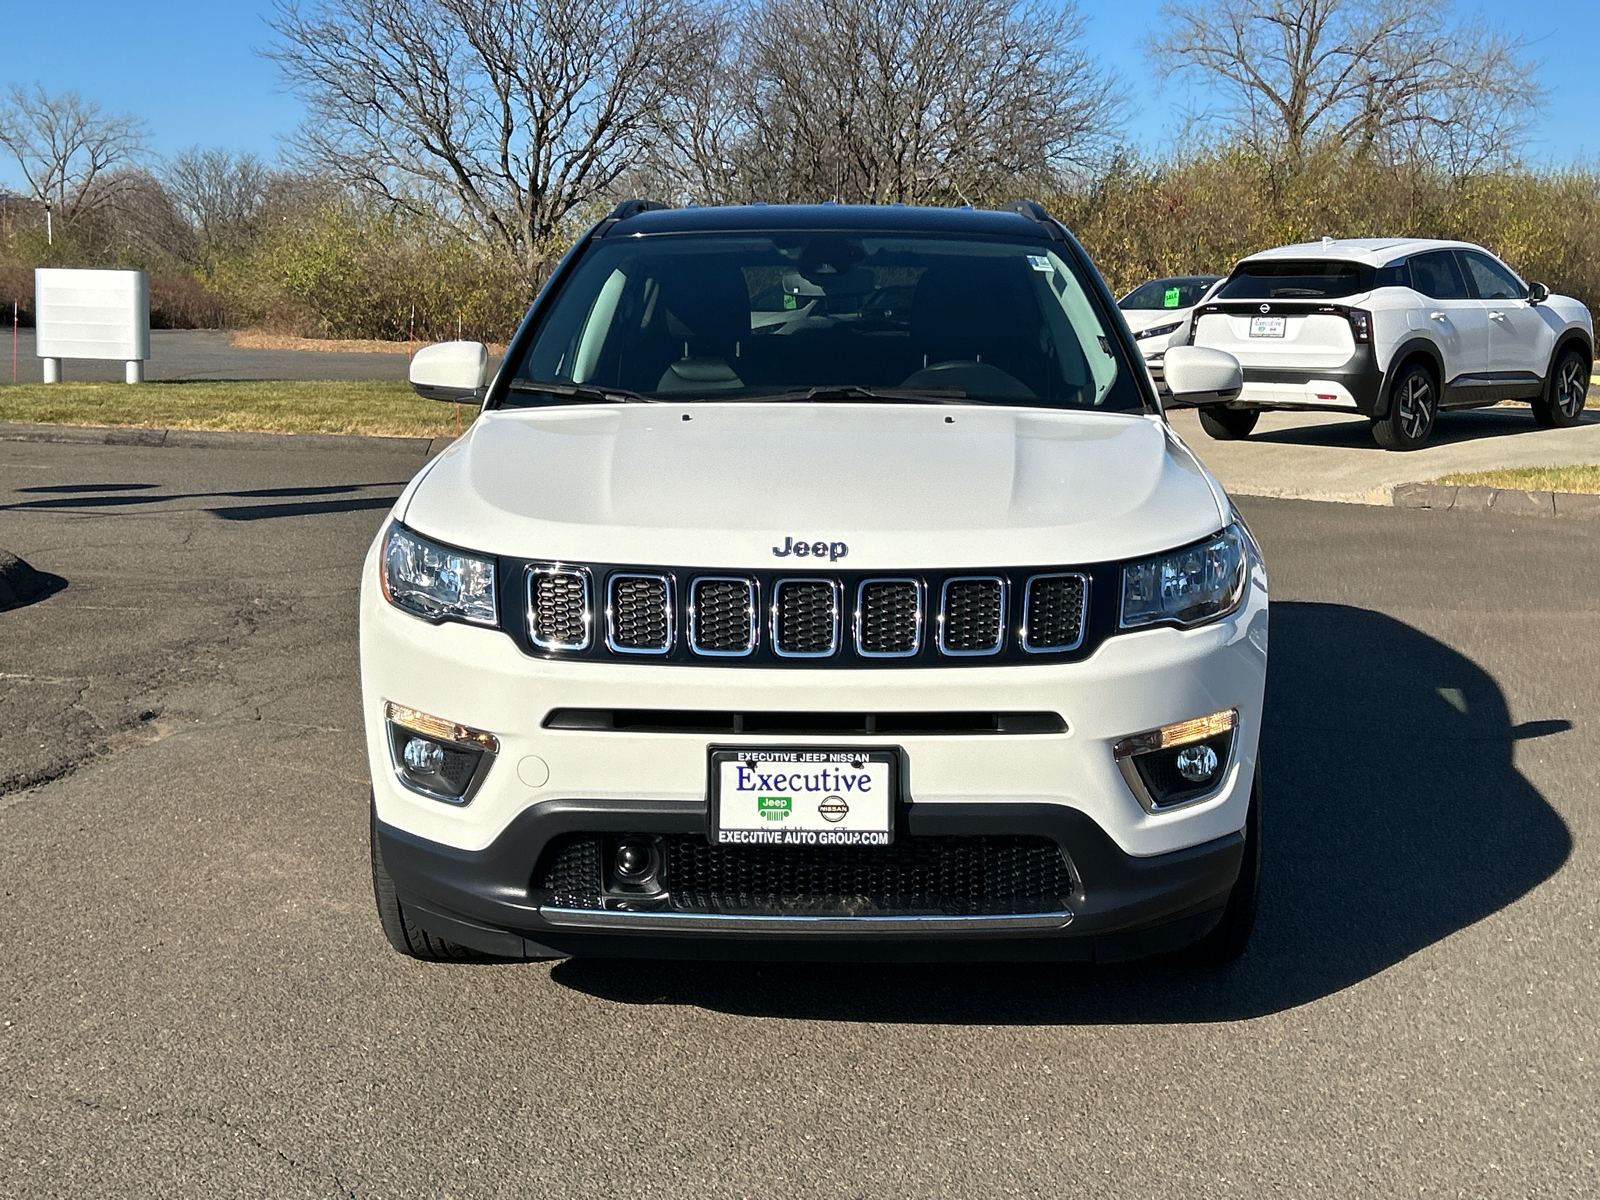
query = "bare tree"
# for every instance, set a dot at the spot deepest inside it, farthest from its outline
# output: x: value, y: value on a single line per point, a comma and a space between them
x: 71, y: 153
x: 218, y: 192
x: 883, y: 101
x: 1390, y: 77
x: 506, y: 115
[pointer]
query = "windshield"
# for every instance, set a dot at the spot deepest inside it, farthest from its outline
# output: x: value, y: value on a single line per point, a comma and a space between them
x: 896, y: 317
x: 1168, y: 293
x: 1287, y: 279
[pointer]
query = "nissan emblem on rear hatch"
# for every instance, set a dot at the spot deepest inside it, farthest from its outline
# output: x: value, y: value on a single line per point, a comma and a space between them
x: 1266, y: 308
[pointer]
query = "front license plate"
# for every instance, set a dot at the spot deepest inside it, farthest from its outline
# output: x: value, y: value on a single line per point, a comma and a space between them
x: 1266, y: 326
x: 803, y: 796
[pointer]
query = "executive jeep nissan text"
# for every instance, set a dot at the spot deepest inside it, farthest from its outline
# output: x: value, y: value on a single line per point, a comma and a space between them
x: 819, y: 581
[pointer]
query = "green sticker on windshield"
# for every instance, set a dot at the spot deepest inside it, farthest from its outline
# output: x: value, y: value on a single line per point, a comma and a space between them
x: 1171, y: 299
x: 788, y: 300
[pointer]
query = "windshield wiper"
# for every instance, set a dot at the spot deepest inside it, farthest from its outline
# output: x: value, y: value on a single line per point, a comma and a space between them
x: 580, y: 391
x: 1297, y: 292
x: 894, y: 395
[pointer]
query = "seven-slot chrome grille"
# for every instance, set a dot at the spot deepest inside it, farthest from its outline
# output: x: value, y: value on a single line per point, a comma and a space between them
x: 847, y: 619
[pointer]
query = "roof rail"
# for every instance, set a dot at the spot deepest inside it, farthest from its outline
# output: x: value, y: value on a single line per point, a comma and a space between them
x: 626, y: 209
x: 1035, y: 211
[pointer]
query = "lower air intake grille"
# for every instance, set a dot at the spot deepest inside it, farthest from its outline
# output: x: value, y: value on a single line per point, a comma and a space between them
x: 806, y: 623
x: 558, y: 609
x: 950, y: 876
x: 890, y: 620
x: 641, y: 614
x: 724, y: 617
x: 973, y: 616
x: 1055, y: 612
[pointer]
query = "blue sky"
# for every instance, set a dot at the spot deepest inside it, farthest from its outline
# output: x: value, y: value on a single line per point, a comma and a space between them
x: 192, y: 70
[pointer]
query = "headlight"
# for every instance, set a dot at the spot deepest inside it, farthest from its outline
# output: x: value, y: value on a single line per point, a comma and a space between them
x: 437, y: 582
x: 1189, y: 586
x: 1157, y: 331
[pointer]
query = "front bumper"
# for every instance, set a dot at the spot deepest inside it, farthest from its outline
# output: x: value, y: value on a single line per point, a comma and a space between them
x: 1120, y: 906
x: 1140, y: 879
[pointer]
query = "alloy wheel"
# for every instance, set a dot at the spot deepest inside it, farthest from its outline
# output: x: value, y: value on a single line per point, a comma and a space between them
x: 1416, y: 408
x: 1570, y: 388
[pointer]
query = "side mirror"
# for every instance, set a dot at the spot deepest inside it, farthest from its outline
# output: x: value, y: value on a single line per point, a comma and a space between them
x: 451, y: 371
x: 1538, y: 293
x: 1198, y: 375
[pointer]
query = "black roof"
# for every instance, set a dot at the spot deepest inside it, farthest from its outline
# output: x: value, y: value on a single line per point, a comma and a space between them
x: 863, y: 218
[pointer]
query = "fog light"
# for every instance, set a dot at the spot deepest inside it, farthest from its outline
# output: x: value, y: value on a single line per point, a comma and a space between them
x: 1179, y: 763
x: 423, y: 755
x: 1197, y: 763
x: 438, y: 758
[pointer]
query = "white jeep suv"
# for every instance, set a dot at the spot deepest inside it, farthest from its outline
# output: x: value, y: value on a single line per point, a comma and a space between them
x: 907, y: 627
x: 1394, y: 329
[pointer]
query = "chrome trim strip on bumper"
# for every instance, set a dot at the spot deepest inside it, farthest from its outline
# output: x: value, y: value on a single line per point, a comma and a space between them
x: 619, y: 921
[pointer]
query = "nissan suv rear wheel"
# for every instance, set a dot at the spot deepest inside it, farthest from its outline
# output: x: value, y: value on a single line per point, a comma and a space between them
x: 1565, y: 391
x: 1413, y: 407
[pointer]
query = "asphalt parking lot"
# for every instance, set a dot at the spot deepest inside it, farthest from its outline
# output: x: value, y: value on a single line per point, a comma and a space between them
x: 197, y: 1000
x: 1332, y: 456
x: 182, y: 354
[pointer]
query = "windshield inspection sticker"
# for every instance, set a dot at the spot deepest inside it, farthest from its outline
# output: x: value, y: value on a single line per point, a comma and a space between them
x: 1040, y: 262
x: 1172, y: 297
x: 803, y: 797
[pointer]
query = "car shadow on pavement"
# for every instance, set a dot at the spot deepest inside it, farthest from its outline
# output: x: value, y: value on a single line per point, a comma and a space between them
x: 1467, y: 425
x: 291, y: 501
x: 1394, y: 817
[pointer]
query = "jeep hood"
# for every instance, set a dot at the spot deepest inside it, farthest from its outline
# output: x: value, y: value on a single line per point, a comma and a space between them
x: 903, y: 486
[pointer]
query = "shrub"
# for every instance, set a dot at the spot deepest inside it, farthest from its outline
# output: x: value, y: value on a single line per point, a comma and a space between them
x: 342, y: 272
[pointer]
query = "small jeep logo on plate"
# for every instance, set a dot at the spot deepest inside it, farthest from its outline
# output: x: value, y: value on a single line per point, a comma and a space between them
x: 774, y: 808
x: 832, y: 551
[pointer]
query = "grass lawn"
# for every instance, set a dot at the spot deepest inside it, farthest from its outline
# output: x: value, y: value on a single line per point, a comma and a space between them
x: 384, y: 407
x: 1532, y: 479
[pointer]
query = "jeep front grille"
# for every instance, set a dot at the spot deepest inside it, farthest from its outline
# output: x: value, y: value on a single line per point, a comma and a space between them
x: 1054, y: 613
x: 805, y: 618
x: 683, y: 616
x: 558, y: 608
x: 722, y: 617
x: 639, y: 614
x: 972, y: 615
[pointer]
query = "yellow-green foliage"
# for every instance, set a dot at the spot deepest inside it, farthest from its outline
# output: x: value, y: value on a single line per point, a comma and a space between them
x: 336, y: 271
x: 1143, y: 220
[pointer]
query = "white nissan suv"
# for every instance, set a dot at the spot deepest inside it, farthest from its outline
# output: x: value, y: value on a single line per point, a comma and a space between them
x: 1394, y: 329
x: 906, y: 627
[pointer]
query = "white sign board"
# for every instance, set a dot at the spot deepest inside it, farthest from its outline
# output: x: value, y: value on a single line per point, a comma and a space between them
x: 92, y: 314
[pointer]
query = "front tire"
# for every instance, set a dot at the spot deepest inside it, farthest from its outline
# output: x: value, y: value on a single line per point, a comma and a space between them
x: 403, y: 934
x: 1227, y: 940
x: 1413, y: 408
x: 1565, y: 392
x: 1229, y: 424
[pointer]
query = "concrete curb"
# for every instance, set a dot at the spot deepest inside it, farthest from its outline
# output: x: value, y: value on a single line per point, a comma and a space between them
x: 1445, y: 497
x: 191, y: 439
